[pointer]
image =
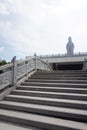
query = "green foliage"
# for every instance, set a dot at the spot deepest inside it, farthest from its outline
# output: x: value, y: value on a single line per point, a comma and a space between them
x: 3, y: 62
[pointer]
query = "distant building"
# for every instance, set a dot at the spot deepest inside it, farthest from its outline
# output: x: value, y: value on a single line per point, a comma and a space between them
x: 69, y: 60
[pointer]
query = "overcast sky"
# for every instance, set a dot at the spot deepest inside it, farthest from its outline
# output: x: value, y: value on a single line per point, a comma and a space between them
x: 41, y: 26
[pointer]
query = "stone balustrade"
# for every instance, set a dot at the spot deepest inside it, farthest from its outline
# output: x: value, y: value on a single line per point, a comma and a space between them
x: 63, y: 55
x: 13, y: 72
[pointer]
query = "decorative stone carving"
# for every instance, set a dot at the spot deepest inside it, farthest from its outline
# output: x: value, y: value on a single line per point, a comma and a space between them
x: 70, y: 47
x: 13, y: 59
x: 18, y: 69
x: 14, y: 70
x: 5, y: 79
x: 21, y: 70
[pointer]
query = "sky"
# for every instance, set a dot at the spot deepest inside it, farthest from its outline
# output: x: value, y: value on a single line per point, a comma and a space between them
x: 41, y: 27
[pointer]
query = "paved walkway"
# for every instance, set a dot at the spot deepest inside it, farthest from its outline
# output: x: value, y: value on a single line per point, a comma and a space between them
x: 8, y: 126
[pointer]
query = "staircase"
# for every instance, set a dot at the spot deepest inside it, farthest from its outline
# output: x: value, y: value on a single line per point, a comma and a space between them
x: 48, y: 100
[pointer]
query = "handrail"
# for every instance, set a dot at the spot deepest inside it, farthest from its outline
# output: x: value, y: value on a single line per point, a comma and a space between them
x: 11, y: 73
x: 6, y: 66
x: 63, y: 55
x: 24, y: 60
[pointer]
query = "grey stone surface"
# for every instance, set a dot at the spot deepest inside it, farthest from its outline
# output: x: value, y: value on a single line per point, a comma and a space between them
x: 53, y: 89
x: 62, y: 84
x: 48, y: 105
x: 10, y: 126
x: 45, y: 107
x: 48, y: 122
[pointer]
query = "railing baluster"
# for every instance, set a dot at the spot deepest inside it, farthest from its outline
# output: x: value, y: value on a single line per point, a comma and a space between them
x: 14, y: 77
x: 15, y: 71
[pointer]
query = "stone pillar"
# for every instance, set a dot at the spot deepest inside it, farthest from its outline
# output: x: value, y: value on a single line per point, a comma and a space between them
x: 35, y: 64
x: 14, y: 78
x: 85, y: 65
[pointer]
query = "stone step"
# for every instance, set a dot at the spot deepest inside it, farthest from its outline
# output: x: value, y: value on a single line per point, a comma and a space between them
x: 57, y: 78
x: 74, y: 85
x: 54, y: 89
x: 39, y: 121
x: 76, y: 104
x: 49, y: 100
x: 58, y: 112
x: 51, y: 94
x: 11, y: 126
x: 57, y: 81
x: 63, y: 72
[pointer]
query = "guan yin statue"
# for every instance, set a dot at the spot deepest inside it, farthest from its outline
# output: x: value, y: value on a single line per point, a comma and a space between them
x: 70, y: 47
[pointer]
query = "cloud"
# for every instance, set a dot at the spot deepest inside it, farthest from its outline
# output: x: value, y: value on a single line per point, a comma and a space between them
x: 1, y: 49
x: 43, y: 26
x: 21, y: 54
x: 3, y: 9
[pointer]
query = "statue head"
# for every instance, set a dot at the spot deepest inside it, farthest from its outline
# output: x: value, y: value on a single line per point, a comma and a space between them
x: 70, y: 39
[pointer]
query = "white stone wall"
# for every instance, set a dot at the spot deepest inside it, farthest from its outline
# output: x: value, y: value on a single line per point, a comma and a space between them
x: 65, y: 59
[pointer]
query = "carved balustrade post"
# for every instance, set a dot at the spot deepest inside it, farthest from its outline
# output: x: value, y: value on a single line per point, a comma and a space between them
x: 85, y: 65
x: 35, y: 64
x: 14, y: 78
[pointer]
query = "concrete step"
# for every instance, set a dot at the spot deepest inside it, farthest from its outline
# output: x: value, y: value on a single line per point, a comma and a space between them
x: 57, y: 81
x: 63, y: 72
x: 58, y: 75
x: 11, y: 126
x: 74, y: 85
x: 54, y: 89
x: 58, y: 112
x: 51, y: 94
x: 57, y: 78
x: 48, y: 101
x: 39, y: 121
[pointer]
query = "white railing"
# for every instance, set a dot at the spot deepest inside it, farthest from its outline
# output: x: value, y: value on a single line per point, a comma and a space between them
x: 11, y: 73
x: 63, y: 55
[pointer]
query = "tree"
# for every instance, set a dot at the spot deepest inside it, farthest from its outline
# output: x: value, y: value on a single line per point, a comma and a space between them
x: 3, y: 62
